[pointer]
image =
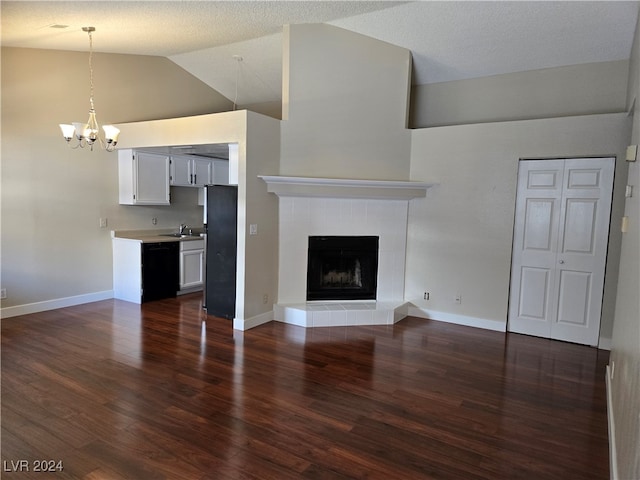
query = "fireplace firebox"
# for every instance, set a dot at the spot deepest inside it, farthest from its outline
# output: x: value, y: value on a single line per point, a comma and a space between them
x: 342, y: 268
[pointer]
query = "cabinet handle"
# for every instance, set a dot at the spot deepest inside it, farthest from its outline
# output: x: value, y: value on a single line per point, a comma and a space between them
x: 195, y: 179
x: 191, y: 179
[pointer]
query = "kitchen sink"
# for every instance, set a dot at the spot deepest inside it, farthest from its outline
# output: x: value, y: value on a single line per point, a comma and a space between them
x: 180, y: 235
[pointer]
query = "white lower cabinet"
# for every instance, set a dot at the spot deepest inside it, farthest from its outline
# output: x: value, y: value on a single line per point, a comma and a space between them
x: 191, y: 265
x: 127, y: 270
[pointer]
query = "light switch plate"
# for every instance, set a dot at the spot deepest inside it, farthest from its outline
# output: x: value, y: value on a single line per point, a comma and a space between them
x: 629, y: 191
x: 624, y: 227
x: 632, y: 153
x: 253, y: 229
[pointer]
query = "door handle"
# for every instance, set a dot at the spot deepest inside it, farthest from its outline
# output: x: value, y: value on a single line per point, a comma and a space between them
x: 561, y: 262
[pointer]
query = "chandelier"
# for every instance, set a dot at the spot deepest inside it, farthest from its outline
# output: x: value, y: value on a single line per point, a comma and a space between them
x: 86, y: 134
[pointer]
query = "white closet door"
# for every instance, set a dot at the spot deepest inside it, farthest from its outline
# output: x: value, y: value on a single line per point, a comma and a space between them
x: 560, y: 247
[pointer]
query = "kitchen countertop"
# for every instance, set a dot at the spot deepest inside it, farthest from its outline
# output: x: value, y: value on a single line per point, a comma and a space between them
x: 154, y: 235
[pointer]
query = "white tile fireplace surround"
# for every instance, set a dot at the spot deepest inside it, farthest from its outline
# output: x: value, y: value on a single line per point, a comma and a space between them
x: 337, y: 207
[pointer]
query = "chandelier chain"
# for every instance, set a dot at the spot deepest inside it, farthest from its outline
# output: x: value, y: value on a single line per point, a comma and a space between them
x: 91, y: 70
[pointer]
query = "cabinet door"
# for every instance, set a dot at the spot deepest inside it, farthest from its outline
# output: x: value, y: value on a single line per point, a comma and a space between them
x: 220, y: 172
x: 181, y: 173
x: 159, y: 270
x: 151, y: 174
x: 191, y: 268
x: 202, y: 172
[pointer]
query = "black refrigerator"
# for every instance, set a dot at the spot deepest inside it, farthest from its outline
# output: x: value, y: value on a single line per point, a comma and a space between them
x: 220, y: 234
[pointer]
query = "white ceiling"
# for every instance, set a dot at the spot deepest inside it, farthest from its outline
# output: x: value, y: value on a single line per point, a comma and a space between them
x: 449, y: 40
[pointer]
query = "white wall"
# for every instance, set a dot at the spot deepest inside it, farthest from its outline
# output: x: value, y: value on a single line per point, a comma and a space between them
x: 345, y: 105
x: 624, y: 387
x: 460, y: 235
x: 585, y: 89
x: 53, y: 196
x: 261, y: 250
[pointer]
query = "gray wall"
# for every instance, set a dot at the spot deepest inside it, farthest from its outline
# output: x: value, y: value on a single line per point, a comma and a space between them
x: 553, y: 92
x: 625, y: 351
x: 345, y: 105
x: 261, y: 250
x: 460, y: 235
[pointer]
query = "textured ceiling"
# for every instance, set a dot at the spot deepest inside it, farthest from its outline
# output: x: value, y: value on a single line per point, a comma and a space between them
x: 162, y: 28
x: 449, y: 40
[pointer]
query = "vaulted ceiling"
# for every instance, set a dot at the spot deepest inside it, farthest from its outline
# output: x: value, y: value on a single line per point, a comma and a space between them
x: 449, y: 40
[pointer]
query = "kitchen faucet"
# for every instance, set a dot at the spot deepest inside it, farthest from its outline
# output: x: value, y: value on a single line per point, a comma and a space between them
x: 183, y: 226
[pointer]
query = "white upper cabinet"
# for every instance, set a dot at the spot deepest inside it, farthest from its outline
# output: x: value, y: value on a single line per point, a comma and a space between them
x: 190, y: 171
x: 143, y: 178
x: 219, y: 176
x: 202, y: 172
x: 180, y: 171
x: 220, y: 172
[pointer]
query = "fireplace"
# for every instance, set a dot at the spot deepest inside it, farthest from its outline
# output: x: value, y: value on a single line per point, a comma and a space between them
x: 342, y: 267
x: 310, y: 207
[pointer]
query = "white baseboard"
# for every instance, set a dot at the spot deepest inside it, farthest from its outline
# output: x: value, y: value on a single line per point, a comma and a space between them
x: 495, y: 325
x: 36, y: 307
x: 613, y: 457
x: 239, y: 324
x: 187, y: 291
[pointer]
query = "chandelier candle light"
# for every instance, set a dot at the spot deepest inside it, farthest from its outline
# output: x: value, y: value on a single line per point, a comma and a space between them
x: 86, y: 134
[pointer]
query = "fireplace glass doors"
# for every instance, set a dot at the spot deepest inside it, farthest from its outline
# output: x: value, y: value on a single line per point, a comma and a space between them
x: 342, y: 268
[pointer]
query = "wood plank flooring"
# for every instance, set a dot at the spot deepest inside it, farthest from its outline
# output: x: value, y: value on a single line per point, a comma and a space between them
x: 115, y: 390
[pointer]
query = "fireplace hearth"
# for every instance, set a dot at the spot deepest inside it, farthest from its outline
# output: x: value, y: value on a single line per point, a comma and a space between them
x: 342, y: 268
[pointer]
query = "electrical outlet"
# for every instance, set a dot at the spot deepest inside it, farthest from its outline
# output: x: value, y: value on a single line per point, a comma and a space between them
x: 265, y: 298
x: 426, y: 296
x: 3, y: 293
x: 458, y: 299
x: 103, y: 223
x: 154, y: 221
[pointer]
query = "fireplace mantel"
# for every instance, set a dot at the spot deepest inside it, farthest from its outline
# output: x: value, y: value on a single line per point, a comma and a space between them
x: 344, y: 187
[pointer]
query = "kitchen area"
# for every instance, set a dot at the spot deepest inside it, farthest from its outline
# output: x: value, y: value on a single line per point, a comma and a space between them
x: 164, y: 167
x: 156, y: 263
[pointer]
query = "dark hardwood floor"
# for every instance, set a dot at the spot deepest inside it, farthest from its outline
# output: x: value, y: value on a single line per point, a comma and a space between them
x: 113, y: 390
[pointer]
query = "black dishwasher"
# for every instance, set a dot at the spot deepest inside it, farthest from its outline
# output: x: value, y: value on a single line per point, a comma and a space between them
x: 160, y: 270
